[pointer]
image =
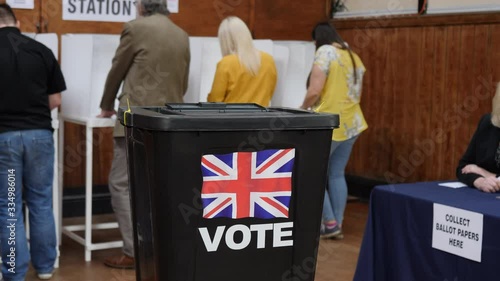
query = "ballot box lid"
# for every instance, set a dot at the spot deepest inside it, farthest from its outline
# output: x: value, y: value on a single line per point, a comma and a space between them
x: 223, y: 117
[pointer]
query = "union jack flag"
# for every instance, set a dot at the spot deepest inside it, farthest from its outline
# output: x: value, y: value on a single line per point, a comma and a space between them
x: 247, y: 184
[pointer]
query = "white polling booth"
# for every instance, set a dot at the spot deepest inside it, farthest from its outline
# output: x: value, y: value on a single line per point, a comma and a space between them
x: 86, y: 61
x: 194, y: 86
x: 301, y: 59
x: 281, y: 59
x: 51, y: 41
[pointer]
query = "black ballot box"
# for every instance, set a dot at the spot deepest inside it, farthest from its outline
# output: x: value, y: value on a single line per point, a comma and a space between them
x: 226, y: 192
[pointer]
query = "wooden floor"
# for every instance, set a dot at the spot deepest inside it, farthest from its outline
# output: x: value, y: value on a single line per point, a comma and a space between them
x: 336, y: 259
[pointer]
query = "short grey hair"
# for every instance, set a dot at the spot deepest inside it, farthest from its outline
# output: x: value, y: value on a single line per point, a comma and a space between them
x: 151, y: 7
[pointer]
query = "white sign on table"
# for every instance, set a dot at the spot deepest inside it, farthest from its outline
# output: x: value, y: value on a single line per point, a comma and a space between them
x: 21, y: 4
x: 105, y: 10
x: 458, y: 232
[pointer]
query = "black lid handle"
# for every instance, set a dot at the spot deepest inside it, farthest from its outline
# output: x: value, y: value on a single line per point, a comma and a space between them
x: 216, y: 106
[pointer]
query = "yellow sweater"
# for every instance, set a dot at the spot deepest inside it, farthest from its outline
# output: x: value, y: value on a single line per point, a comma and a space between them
x: 233, y: 84
x: 341, y: 95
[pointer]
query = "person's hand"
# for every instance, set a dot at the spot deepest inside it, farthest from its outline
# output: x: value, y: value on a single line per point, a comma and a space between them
x: 471, y: 169
x: 474, y: 169
x: 106, y: 113
x: 488, y: 185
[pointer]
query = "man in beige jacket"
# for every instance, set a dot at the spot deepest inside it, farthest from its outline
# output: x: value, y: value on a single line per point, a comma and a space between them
x: 152, y: 60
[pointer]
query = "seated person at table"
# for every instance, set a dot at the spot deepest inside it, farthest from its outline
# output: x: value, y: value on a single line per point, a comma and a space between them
x: 245, y: 74
x: 480, y: 165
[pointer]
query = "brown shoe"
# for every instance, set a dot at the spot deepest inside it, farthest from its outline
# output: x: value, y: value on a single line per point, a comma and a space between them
x: 120, y: 262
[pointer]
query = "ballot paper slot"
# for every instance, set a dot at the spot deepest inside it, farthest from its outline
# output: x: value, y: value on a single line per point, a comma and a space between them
x: 205, y: 108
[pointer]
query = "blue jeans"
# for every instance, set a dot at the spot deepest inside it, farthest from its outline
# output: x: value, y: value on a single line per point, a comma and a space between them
x: 26, y: 172
x: 336, y: 194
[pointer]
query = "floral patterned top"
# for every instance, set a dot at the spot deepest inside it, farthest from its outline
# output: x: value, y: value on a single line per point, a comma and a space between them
x: 341, y: 94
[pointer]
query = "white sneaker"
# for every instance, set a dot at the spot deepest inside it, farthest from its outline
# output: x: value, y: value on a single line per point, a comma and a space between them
x: 44, y: 276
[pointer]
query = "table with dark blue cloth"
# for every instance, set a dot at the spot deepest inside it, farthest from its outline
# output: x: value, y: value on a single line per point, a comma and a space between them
x: 397, y: 244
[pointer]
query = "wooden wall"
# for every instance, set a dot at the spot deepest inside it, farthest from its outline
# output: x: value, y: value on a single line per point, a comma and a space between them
x: 429, y: 81
x: 277, y: 19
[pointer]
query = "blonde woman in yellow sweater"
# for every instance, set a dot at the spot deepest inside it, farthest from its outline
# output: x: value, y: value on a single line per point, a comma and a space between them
x: 245, y: 74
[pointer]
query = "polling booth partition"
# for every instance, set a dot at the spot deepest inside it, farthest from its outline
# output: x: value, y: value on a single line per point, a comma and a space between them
x: 86, y: 60
x: 292, y: 81
x: 51, y: 41
x: 281, y: 57
x: 195, y: 72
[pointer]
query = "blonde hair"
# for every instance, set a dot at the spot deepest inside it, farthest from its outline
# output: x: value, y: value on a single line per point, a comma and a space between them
x: 235, y: 38
x: 495, y: 114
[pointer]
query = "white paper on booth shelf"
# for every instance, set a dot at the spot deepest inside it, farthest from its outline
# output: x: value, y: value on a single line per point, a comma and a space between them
x: 299, y: 67
x: 212, y: 55
x: 281, y: 58
x: 86, y: 61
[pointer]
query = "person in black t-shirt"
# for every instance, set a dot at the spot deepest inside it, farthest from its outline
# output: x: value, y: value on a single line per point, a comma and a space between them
x: 30, y: 86
x: 480, y: 165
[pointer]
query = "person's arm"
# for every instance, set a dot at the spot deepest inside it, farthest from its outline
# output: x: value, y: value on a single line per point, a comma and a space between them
x: 471, y: 174
x: 219, y: 87
x: 56, y: 83
x: 121, y: 63
x: 274, y: 81
x: 469, y: 158
x: 473, y: 168
x: 316, y: 85
x: 319, y: 73
x: 54, y: 100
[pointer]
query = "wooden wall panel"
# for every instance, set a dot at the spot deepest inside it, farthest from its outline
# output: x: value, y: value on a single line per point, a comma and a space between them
x: 439, y: 103
x: 462, y: 121
x: 452, y: 76
x: 423, y: 102
x: 198, y: 18
x: 424, y: 98
x: 482, y: 63
x: 418, y: 94
x: 29, y: 19
x: 495, y: 56
x: 287, y: 20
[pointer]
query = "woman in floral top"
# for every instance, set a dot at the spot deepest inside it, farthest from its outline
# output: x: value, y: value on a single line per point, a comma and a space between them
x: 335, y: 87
